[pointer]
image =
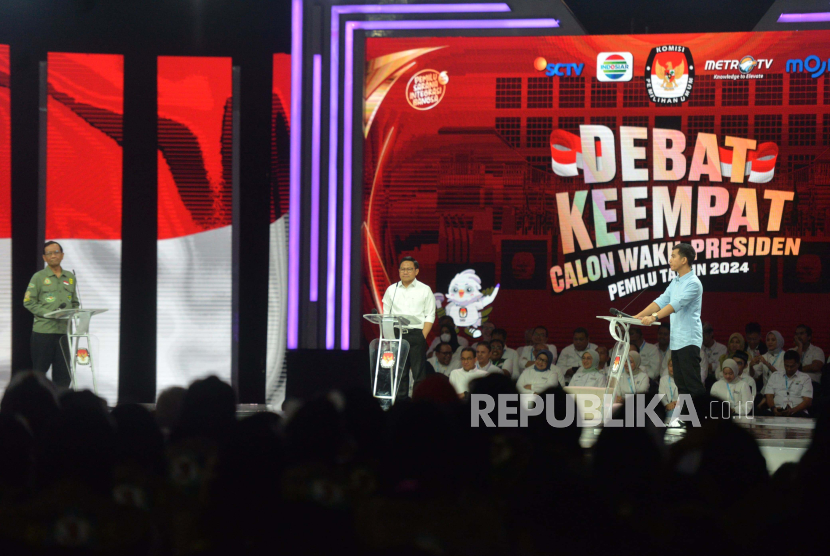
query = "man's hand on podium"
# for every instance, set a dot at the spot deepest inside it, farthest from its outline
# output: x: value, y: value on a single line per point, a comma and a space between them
x: 647, y: 320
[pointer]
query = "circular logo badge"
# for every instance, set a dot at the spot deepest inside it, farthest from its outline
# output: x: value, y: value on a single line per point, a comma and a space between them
x: 426, y: 89
x: 50, y: 298
x: 614, y: 67
x: 747, y: 64
x: 47, y: 281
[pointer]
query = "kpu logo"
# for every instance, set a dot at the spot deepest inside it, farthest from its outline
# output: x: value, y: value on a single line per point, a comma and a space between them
x: 813, y: 65
x: 615, y: 66
x: 670, y: 74
x: 559, y: 70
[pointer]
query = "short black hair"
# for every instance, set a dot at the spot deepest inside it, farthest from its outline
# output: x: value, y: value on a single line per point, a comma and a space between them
x: 806, y: 328
x: 741, y: 354
x: 468, y: 348
x: 792, y: 355
x: 484, y: 343
x: 48, y: 243
x: 411, y: 260
x: 581, y: 330
x: 753, y: 327
x: 535, y: 328
x: 500, y: 331
x: 636, y: 329
x: 686, y: 250
x: 442, y: 344
x: 496, y: 342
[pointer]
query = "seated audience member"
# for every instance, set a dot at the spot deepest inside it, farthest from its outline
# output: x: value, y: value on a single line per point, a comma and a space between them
x: 571, y: 358
x: 541, y: 376
x: 639, y: 385
x: 772, y: 361
x: 603, y: 359
x: 448, y: 335
x: 509, y: 353
x: 633, y: 348
x: 712, y: 349
x: 662, y: 347
x: 483, y: 362
x: 740, y: 358
x: 498, y: 359
x: 443, y: 359
x: 754, y: 345
x: 649, y: 357
x: 736, y: 342
x: 588, y: 373
x: 486, y: 332
x: 788, y: 393
x: 730, y: 388
x: 812, y: 356
x: 668, y: 387
x: 539, y: 339
x: 460, y: 379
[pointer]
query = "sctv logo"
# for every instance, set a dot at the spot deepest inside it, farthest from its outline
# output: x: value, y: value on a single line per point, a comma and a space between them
x: 563, y: 69
x: 811, y: 64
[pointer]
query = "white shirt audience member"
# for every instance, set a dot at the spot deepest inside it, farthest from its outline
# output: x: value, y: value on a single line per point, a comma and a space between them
x: 639, y: 384
x: 540, y: 377
x: 733, y: 390
x: 588, y: 373
x: 773, y: 360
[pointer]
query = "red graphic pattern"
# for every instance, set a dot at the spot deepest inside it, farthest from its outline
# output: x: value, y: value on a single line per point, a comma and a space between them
x: 194, y: 140
x: 84, y: 135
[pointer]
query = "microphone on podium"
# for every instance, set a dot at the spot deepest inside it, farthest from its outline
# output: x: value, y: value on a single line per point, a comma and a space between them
x: 620, y: 314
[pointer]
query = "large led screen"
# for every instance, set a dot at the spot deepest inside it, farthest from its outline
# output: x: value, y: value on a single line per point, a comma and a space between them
x: 548, y: 177
x: 5, y: 222
x: 83, y: 195
x: 194, y: 219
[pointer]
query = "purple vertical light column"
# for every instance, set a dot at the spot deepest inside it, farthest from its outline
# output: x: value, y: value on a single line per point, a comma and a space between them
x: 809, y: 17
x: 316, y: 85
x: 295, y: 190
x: 348, y: 108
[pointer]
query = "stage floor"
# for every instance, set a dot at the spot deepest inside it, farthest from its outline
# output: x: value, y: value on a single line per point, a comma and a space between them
x: 781, y: 439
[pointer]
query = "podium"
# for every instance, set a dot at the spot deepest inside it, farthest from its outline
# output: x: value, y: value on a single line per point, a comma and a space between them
x: 387, y: 355
x: 618, y: 327
x: 78, y: 329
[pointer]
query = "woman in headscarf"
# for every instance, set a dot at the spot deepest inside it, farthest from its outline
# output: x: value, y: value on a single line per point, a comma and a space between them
x: 732, y: 389
x: 448, y: 335
x: 541, y: 376
x: 639, y: 385
x: 773, y: 360
x: 589, y: 373
x: 736, y: 342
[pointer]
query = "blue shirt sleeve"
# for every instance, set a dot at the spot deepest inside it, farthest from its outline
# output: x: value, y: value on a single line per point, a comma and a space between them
x: 683, y: 296
x: 664, y: 299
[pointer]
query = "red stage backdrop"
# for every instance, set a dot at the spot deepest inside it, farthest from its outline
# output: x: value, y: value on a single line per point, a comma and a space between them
x: 194, y: 219
x: 5, y: 222
x: 83, y: 193
x: 563, y: 169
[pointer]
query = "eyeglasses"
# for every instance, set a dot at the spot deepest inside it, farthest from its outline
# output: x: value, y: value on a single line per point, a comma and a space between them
x: 412, y: 269
x: 50, y: 253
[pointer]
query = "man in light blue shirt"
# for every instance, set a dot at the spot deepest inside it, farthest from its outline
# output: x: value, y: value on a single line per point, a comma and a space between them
x: 682, y: 300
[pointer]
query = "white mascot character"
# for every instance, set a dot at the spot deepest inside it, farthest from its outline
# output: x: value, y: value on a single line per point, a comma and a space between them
x: 465, y: 301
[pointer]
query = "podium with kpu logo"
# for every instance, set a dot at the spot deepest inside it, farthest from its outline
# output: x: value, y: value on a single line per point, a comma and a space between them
x: 387, y: 355
x: 77, y: 334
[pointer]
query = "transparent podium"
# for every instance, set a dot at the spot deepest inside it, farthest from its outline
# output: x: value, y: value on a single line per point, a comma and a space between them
x: 77, y: 330
x: 618, y: 326
x: 387, y: 355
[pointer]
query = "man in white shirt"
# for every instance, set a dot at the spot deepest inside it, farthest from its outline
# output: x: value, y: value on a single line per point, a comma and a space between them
x: 812, y: 357
x: 788, y: 393
x: 413, y: 298
x: 539, y: 340
x: 649, y: 358
x: 754, y: 345
x: 571, y: 358
x: 483, y: 362
x: 509, y: 353
x: 442, y: 359
x: 460, y: 379
x: 712, y: 349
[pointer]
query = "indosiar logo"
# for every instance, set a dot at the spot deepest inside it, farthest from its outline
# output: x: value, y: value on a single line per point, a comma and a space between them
x: 812, y: 64
x: 559, y: 70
